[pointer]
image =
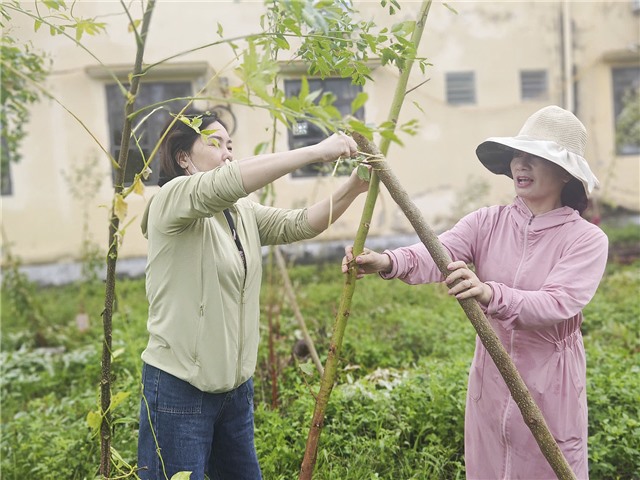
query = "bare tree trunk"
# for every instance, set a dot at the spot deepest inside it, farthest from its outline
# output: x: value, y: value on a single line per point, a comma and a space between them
x: 274, y: 331
x: 291, y: 297
x: 112, y: 256
x: 519, y: 391
x: 331, y: 365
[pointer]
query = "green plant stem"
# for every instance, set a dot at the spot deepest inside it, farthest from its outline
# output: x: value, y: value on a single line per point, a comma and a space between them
x: 530, y: 412
x: 112, y: 256
x: 335, y: 347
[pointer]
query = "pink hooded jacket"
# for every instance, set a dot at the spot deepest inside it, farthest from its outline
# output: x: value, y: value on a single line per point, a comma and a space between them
x: 543, y: 270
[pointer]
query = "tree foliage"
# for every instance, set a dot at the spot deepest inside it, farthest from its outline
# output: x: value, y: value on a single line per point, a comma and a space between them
x: 628, y: 122
x: 20, y: 62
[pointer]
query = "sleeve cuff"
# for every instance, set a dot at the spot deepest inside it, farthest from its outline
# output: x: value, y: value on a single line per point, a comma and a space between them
x: 394, y: 266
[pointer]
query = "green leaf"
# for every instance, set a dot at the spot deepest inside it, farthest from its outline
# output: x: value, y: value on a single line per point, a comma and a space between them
x: 450, y: 8
x: 389, y: 135
x: 117, y: 353
x: 134, y: 25
x: 181, y: 476
x: 54, y: 4
x: 359, y: 127
x: 281, y: 42
x: 403, y: 28
x: 418, y: 106
x: 293, y: 26
x: 304, y: 88
x: 196, y: 123
x: 363, y: 173
x: 261, y: 148
x: 359, y: 101
x: 94, y: 420
x: 307, y: 368
x: 120, y: 207
x: 117, y: 399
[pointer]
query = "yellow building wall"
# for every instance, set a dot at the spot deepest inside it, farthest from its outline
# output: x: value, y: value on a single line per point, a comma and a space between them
x: 43, y: 218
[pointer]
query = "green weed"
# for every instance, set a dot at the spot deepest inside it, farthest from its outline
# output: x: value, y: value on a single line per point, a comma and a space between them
x: 396, y: 412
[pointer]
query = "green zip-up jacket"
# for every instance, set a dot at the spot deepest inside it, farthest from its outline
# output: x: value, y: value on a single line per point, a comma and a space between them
x: 203, y: 307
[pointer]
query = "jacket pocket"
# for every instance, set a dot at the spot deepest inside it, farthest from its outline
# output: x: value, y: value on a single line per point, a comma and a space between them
x: 476, y: 374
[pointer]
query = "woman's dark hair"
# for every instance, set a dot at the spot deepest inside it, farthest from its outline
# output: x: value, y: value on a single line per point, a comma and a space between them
x: 179, y: 138
x: 574, y: 196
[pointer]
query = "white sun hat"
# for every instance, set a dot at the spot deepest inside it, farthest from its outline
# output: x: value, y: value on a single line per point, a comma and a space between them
x: 551, y: 133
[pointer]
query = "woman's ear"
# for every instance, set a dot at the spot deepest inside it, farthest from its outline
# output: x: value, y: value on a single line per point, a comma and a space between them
x: 183, y: 159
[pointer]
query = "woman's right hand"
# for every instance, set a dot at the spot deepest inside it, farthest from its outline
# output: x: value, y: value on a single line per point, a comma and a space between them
x: 367, y: 262
x: 336, y: 146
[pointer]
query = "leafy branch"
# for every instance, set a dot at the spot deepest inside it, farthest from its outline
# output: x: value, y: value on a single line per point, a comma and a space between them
x: 330, y: 371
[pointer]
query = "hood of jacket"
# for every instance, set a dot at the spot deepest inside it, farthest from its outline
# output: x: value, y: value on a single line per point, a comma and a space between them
x: 523, y: 215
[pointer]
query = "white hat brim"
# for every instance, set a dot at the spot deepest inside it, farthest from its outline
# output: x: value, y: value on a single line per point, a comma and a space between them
x: 496, y: 153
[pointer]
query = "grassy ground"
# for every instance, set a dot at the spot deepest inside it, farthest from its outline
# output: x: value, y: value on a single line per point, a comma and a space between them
x: 396, y: 412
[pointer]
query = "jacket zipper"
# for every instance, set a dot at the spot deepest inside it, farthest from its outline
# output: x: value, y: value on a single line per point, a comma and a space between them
x: 241, y: 326
x: 201, y: 309
x: 508, y: 405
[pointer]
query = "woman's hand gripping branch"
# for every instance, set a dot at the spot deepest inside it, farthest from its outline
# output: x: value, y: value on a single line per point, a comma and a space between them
x: 367, y: 262
x: 469, y: 285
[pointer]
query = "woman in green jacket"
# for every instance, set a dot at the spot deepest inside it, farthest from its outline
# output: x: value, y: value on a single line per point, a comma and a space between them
x: 203, y: 275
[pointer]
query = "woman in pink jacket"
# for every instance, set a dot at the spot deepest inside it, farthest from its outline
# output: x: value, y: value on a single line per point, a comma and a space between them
x: 536, y: 264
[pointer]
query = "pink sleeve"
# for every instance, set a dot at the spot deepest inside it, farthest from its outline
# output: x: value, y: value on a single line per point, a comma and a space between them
x: 569, y: 286
x: 414, y: 265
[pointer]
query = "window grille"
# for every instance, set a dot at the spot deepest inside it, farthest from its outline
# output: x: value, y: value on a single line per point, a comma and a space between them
x: 626, y: 85
x: 533, y: 84
x: 461, y: 88
x: 149, y: 132
x: 305, y: 133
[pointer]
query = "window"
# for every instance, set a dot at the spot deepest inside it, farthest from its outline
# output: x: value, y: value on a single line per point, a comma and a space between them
x: 626, y: 88
x: 533, y: 84
x: 149, y: 133
x: 461, y: 88
x: 306, y: 133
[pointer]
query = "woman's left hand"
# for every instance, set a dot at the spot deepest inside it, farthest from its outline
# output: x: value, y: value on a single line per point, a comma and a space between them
x: 469, y: 285
x: 357, y: 184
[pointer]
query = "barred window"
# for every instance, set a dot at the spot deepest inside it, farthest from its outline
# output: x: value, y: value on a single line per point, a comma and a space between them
x: 149, y: 132
x: 533, y: 84
x: 626, y: 89
x: 305, y: 133
x: 461, y: 89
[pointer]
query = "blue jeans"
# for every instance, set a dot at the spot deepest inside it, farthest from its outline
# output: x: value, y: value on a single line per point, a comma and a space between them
x: 195, y: 431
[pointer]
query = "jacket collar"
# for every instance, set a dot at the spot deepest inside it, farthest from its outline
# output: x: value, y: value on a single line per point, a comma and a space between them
x: 523, y: 216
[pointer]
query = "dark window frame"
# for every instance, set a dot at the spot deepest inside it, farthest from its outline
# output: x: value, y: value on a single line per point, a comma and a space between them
x: 150, y: 93
x: 461, y: 88
x: 306, y: 133
x: 624, y: 80
x: 534, y: 85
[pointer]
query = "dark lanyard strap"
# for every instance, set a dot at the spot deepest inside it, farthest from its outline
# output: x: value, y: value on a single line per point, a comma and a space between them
x: 234, y: 233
